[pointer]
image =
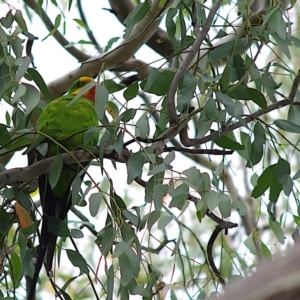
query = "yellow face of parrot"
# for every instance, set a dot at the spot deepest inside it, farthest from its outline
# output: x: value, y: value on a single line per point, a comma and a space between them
x: 79, y: 84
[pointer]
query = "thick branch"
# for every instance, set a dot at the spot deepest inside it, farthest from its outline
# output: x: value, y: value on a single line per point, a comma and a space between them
x: 273, y: 280
x: 26, y: 174
x: 140, y: 34
x: 121, y: 9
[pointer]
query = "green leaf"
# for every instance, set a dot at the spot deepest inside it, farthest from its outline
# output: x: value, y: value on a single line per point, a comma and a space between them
x: 110, y: 283
x: 82, y: 24
x: 95, y: 201
x: 186, y: 91
x: 160, y: 191
x: 23, y: 64
x: 119, y: 142
x: 297, y: 175
x: 70, y: 4
x: 142, y: 126
x: 4, y: 135
x: 294, y: 114
x: 265, y: 251
x: 232, y: 107
x: 131, y: 217
x: 179, y: 196
x: 226, y: 49
x: 228, y: 143
x: 225, y: 205
x: 91, y: 133
x: 283, y: 170
x: 16, y: 266
x: 112, y: 86
x: 101, y: 100
x: 246, y: 142
x: 129, y: 262
x: 21, y: 91
x: 153, y: 217
x: 136, y: 15
x: 249, y: 243
x: 8, y: 19
x: 277, y: 230
x: 257, y: 146
x: 275, y: 188
x: 31, y: 98
x: 257, y: 97
x: 38, y: 79
x: 225, y: 79
x: 240, y: 206
x: 3, y: 38
x: 17, y: 47
x: 56, y: 25
x: 277, y: 23
x: 55, y: 170
x: 211, y: 198
x: 195, y: 179
x: 158, y: 83
x: 58, y: 227
x: 239, y: 68
x: 288, y: 186
x: 206, y: 118
x: 21, y: 22
x: 131, y: 91
x: 263, y: 181
x: 287, y: 126
x: 5, y: 77
x: 128, y: 115
x: 164, y: 221
x: 110, y: 43
x: 158, y: 169
x: 135, y: 166
x: 76, y: 234
x: 77, y: 260
x: 171, y: 26
x: 108, y: 238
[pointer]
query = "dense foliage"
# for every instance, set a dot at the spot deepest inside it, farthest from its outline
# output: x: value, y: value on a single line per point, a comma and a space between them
x: 209, y: 140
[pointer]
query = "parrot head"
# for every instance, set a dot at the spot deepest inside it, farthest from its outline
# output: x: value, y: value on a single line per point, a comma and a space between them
x: 79, y: 84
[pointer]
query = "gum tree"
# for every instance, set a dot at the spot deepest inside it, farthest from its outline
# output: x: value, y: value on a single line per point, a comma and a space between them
x: 206, y: 145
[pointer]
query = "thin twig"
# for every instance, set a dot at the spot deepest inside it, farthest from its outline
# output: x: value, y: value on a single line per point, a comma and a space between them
x: 88, y: 32
x: 79, y: 55
x: 200, y: 36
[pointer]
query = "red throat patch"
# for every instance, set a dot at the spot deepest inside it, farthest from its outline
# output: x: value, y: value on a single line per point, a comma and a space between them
x: 90, y: 94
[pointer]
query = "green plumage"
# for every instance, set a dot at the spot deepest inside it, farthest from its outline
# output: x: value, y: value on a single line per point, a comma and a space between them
x: 75, y: 118
x: 66, y: 124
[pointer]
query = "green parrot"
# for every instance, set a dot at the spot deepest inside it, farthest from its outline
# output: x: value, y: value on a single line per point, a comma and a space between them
x: 68, y: 124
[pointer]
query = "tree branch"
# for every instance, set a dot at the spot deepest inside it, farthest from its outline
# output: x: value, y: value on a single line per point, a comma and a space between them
x: 200, y: 36
x: 17, y: 175
x: 187, y: 142
x: 57, y: 35
x: 268, y: 282
x: 121, y: 9
x: 88, y: 32
x: 140, y: 34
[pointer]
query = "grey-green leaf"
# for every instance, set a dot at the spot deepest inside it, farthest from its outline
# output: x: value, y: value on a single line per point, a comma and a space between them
x: 55, y: 170
x: 77, y: 260
x: 135, y: 166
